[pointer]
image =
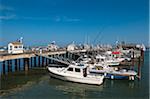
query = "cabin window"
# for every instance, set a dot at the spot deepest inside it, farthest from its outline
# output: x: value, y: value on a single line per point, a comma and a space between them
x: 16, y: 46
x: 20, y: 46
x: 70, y: 69
x: 98, y: 60
x: 77, y: 70
x: 102, y: 59
x: 10, y: 47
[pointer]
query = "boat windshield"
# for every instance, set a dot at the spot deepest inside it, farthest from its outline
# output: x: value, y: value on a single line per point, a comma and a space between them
x: 80, y: 64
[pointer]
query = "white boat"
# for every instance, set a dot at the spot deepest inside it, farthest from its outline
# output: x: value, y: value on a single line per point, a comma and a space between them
x: 76, y: 73
x: 113, y: 72
x: 107, y: 60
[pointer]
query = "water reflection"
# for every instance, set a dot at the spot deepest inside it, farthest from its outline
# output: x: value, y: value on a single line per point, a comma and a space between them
x: 121, y: 83
x: 19, y: 81
x: 75, y: 89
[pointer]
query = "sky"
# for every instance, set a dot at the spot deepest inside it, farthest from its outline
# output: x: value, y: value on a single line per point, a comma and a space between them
x: 40, y: 22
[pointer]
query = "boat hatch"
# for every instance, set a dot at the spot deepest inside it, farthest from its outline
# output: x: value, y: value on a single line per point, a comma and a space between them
x: 70, y: 69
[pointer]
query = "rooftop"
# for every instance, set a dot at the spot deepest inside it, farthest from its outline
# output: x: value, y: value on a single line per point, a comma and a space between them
x: 16, y: 43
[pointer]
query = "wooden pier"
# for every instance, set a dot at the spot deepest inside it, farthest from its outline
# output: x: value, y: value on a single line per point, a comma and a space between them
x: 34, y: 59
x: 12, y: 62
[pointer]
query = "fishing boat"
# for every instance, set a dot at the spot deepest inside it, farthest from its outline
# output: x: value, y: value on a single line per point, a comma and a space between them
x: 113, y: 72
x: 76, y: 73
x: 107, y: 60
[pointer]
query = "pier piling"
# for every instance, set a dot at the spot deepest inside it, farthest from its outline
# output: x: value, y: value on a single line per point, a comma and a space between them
x: 46, y: 61
x: 139, y: 68
x: 43, y: 63
x: 133, y: 60
x: 34, y: 61
x: 9, y: 62
x: 39, y: 61
x: 4, y: 67
x: 16, y: 65
x: 26, y: 64
x: 31, y: 62
x: 19, y: 63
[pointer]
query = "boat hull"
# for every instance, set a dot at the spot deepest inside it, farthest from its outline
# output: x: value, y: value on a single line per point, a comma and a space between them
x: 114, y: 75
x: 85, y: 80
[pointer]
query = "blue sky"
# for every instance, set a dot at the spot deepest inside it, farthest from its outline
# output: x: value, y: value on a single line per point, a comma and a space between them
x: 64, y: 21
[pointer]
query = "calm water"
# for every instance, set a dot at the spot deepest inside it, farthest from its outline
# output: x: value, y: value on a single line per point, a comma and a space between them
x: 37, y: 84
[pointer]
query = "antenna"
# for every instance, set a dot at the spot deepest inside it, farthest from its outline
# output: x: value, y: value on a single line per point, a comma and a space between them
x: 21, y: 40
x: 97, y: 36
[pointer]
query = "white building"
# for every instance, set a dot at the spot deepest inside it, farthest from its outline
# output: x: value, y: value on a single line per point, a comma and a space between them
x: 86, y: 46
x: 15, y: 47
x: 52, y: 46
x: 71, y: 47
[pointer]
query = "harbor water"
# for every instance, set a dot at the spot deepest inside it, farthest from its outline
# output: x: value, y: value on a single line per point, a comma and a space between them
x: 37, y: 84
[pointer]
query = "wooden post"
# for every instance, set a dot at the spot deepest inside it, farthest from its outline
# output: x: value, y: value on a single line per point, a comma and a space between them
x: 8, y: 65
x: 39, y: 61
x: 133, y: 60
x: 139, y: 68
x: 31, y: 62
x: 50, y: 60
x: 10, y: 62
x: 26, y: 64
x: 34, y: 61
x: 46, y: 61
x: 43, y: 62
x: 19, y: 63
x: 4, y: 67
x: 16, y: 65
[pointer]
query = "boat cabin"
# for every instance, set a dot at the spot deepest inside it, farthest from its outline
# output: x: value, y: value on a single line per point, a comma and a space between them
x: 80, y: 70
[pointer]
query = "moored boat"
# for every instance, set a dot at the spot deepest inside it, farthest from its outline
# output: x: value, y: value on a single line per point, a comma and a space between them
x: 113, y: 72
x: 76, y: 73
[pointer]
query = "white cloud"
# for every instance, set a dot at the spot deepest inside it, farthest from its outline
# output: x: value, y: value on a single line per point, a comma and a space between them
x: 65, y: 19
x: 34, y: 18
x: 2, y: 8
x: 7, y: 17
x: 7, y: 12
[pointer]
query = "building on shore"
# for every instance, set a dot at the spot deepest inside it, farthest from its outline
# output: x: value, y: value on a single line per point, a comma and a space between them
x: 71, y: 47
x: 52, y: 46
x: 15, y: 47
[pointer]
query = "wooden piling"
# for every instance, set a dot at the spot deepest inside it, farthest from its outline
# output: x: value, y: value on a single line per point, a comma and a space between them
x: 133, y: 60
x: 4, y: 71
x: 139, y: 68
x: 26, y: 64
x: 34, y: 61
x: 16, y: 65
x: 46, y: 61
x: 49, y: 60
x: 8, y: 67
x: 43, y: 62
x: 39, y: 61
x: 9, y: 64
x: 19, y: 64
x: 31, y: 62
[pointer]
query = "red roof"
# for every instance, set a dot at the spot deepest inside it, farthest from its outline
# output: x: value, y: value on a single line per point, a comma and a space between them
x: 115, y: 52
